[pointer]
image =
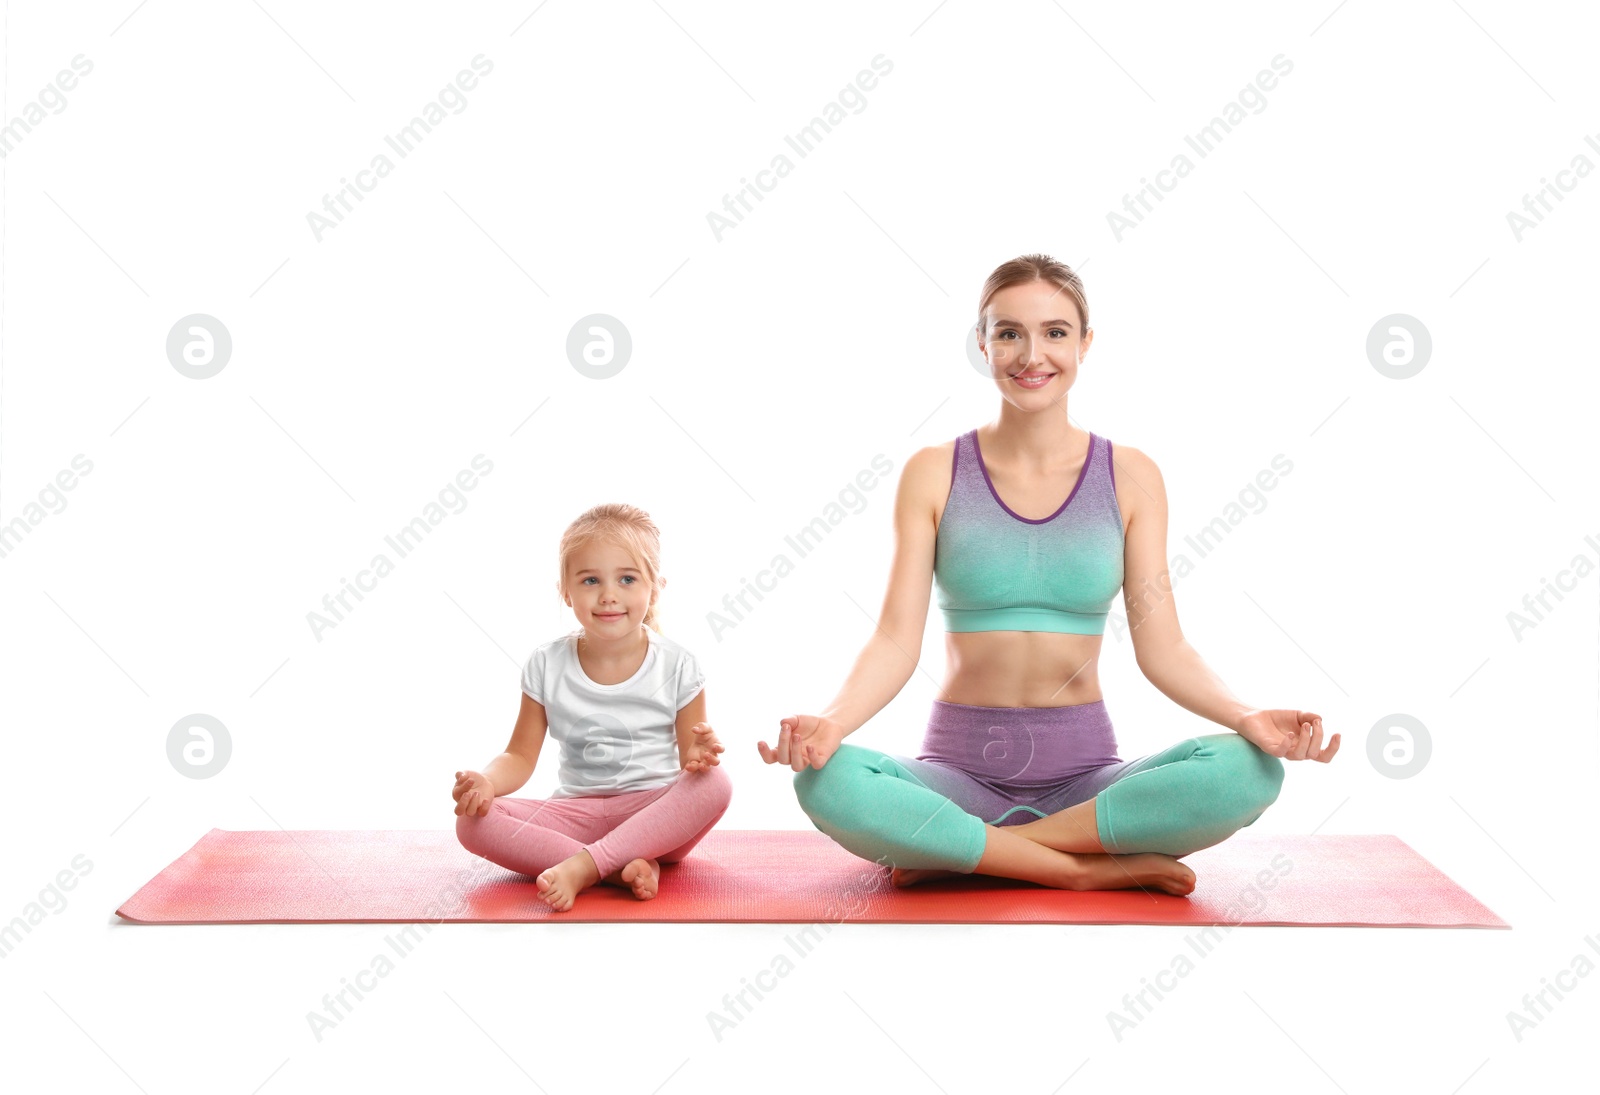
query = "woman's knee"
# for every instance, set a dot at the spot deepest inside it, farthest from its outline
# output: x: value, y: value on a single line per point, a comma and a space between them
x: 1254, y: 774
x: 823, y: 791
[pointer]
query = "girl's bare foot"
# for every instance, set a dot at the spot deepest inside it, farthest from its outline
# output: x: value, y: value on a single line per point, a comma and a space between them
x: 559, y: 886
x: 642, y: 876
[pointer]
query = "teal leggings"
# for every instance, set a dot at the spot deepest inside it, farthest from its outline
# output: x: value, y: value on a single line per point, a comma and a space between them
x: 918, y: 813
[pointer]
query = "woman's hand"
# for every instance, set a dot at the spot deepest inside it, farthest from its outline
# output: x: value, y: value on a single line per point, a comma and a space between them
x: 702, y: 753
x: 804, y: 740
x: 472, y: 793
x: 1289, y: 734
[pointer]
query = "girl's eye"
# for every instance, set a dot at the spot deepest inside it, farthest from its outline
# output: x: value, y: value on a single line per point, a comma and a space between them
x: 628, y: 578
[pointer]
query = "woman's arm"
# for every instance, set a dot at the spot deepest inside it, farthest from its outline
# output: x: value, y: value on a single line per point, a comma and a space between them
x: 512, y: 768
x: 1163, y: 654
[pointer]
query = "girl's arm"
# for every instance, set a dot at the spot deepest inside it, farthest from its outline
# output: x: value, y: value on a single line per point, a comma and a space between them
x: 1163, y: 654
x: 511, y: 769
x: 693, y: 713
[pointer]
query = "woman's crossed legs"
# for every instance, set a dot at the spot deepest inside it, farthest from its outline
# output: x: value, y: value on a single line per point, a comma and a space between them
x: 1119, y: 825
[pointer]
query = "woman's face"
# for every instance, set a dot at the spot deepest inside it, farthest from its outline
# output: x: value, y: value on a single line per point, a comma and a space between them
x: 1034, y: 343
x: 608, y: 594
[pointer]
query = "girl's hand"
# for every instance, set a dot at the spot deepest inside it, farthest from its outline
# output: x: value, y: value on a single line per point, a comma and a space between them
x: 803, y: 741
x: 472, y: 793
x: 702, y: 754
x: 1289, y: 734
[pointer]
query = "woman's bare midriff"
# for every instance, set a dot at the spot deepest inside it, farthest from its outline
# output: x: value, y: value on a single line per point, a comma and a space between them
x: 1020, y: 668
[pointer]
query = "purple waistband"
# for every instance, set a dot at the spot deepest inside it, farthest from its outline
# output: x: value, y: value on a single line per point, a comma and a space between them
x: 1020, y: 746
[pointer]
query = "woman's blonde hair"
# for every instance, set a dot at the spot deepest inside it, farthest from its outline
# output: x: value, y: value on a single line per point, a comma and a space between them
x: 1030, y: 268
x: 627, y: 527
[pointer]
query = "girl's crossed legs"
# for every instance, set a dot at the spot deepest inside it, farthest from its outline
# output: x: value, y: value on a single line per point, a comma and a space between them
x: 532, y: 835
x: 982, y: 770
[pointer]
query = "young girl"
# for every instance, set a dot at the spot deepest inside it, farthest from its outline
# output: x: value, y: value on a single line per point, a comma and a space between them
x: 640, y: 779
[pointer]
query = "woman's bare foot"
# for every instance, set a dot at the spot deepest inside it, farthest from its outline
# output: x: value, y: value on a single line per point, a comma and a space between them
x: 910, y: 876
x: 1138, y: 870
x: 642, y: 876
x: 1007, y: 854
x: 560, y: 885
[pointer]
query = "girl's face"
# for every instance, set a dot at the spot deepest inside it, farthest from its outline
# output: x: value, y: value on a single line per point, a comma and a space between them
x: 608, y: 594
x: 1034, y: 343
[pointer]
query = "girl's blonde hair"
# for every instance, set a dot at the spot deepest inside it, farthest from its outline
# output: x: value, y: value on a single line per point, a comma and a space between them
x: 1029, y: 268
x: 629, y: 528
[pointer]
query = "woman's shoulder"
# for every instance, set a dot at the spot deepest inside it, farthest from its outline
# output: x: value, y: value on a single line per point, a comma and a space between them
x: 931, y: 466
x: 1139, y: 485
x: 1131, y: 459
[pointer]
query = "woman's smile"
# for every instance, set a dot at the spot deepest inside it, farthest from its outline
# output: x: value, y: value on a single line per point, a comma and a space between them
x: 1034, y: 379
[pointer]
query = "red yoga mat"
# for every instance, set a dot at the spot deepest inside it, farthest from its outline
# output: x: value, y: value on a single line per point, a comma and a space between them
x: 784, y: 877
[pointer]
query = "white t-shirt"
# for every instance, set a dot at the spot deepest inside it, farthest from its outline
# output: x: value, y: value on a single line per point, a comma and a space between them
x: 615, y: 738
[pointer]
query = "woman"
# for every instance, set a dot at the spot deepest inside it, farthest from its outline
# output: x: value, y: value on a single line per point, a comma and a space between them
x: 1018, y: 775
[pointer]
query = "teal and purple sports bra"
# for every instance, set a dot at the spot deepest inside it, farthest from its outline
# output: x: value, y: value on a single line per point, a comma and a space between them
x: 997, y: 571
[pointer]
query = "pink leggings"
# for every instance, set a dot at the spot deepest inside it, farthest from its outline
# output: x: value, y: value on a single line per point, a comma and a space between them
x: 531, y: 835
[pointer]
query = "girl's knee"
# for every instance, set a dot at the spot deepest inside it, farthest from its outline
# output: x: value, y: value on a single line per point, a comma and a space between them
x: 469, y: 832
x: 715, y: 784
x: 474, y: 832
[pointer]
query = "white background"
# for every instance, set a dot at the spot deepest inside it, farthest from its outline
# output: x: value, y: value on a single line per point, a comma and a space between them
x: 768, y: 369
